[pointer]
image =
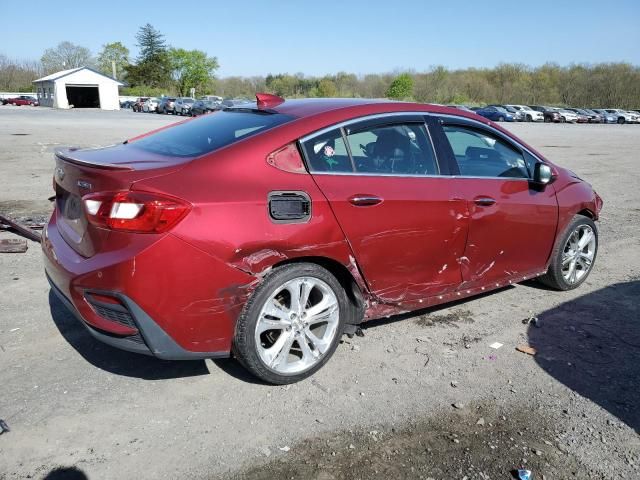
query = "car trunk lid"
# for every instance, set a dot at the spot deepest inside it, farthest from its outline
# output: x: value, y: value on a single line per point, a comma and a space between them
x: 80, y: 172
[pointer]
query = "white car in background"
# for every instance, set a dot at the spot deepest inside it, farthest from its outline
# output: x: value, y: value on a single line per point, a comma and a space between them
x: 624, y: 116
x: 150, y: 105
x: 567, y: 116
x: 530, y: 115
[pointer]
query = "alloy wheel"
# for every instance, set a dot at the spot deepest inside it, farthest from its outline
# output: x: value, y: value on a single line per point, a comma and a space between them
x: 578, y: 254
x: 297, y: 325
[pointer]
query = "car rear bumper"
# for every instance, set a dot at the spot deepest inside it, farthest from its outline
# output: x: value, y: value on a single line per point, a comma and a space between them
x: 168, y: 309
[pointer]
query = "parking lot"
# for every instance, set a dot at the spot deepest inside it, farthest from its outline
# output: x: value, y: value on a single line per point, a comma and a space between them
x: 420, y: 396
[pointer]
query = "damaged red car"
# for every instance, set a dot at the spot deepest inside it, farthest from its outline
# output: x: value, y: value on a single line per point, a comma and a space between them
x: 267, y: 230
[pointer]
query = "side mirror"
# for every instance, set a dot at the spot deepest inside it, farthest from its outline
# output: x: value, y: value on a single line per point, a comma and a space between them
x: 542, y: 174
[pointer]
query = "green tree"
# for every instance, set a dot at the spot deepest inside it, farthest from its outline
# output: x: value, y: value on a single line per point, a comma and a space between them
x: 191, y: 69
x: 65, y: 56
x: 151, y: 43
x: 327, y: 88
x: 401, y: 88
x: 113, y: 52
x: 154, y: 65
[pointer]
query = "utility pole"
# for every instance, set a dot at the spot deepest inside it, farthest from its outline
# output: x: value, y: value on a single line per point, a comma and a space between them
x: 113, y: 68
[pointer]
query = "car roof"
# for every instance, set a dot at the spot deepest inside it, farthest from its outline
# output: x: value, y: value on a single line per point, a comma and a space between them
x: 353, y: 107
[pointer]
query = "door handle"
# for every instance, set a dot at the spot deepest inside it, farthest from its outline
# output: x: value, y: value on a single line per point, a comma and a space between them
x: 364, y: 200
x: 484, y: 201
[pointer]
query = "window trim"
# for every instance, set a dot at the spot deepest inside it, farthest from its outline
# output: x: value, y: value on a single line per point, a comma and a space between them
x: 474, y: 124
x: 363, y: 123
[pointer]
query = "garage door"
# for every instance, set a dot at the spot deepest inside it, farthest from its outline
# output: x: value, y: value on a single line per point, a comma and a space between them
x: 83, y: 96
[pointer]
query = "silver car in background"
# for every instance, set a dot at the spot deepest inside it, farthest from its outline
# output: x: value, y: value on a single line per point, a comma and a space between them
x: 182, y: 105
x: 530, y: 115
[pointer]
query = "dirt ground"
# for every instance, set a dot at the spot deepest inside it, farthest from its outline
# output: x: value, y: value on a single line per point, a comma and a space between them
x: 419, y: 396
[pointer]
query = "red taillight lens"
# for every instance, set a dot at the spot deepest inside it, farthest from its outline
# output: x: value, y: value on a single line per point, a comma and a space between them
x: 139, y: 212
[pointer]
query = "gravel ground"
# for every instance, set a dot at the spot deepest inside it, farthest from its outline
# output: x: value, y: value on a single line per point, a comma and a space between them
x: 419, y: 396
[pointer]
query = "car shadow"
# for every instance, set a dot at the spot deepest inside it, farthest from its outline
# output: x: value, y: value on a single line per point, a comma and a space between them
x: 117, y: 361
x: 592, y: 345
x: 66, y: 473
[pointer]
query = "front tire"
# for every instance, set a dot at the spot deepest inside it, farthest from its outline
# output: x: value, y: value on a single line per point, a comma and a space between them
x: 573, y: 257
x: 529, y: 118
x: 291, y: 324
x: 501, y: 118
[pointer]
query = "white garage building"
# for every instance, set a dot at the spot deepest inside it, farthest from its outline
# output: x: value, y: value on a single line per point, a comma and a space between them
x: 78, y: 88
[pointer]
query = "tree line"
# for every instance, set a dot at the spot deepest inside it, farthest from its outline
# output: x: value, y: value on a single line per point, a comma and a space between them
x: 163, y: 69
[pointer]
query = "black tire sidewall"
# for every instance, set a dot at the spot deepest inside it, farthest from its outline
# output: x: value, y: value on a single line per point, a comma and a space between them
x: 554, y: 274
x: 244, y: 345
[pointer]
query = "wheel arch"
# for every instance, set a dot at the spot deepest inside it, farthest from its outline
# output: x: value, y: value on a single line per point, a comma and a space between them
x: 351, y: 285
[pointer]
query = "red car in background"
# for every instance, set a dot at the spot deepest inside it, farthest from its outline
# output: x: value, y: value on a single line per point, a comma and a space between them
x: 21, y: 100
x: 268, y: 230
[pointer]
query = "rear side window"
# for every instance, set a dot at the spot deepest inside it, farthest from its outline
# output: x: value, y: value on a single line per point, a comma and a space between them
x: 394, y: 149
x: 209, y: 133
x: 480, y: 154
x: 328, y: 153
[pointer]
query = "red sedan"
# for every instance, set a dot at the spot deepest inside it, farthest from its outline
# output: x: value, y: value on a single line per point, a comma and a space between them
x: 268, y: 230
x: 21, y: 100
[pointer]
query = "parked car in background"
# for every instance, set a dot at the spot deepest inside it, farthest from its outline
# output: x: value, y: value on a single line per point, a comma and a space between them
x: 233, y: 102
x: 567, y: 116
x: 623, y: 116
x: 517, y: 114
x: 530, y: 115
x: 550, y: 114
x: 312, y: 257
x: 182, y: 105
x: 592, y: 117
x: 150, y: 105
x: 166, y: 105
x: 201, y: 107
x: 213, y: 98
x: 127, y: 104
x: 497, y: 114
x: 462, y: 107
x: 583, y: 117
x: 635, y: 116
x: 606, y: 116
x: 137, y: 106
x: 21, y: 100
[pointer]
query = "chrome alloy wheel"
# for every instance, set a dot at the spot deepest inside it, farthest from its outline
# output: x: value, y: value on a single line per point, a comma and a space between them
x: 578, y: 254
x: 297, y: 325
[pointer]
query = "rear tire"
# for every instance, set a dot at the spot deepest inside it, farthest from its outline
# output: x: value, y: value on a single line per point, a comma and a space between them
x: 573, y: 256
x: 282, y: 340
x: 620, y: 120
x: 529, y: 118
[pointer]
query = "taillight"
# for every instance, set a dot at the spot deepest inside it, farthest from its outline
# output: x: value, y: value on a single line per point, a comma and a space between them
x: 139, y: 212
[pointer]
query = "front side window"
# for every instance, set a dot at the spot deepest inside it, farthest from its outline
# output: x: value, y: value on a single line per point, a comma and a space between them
x: 402, y: 149
x: 481, y: 154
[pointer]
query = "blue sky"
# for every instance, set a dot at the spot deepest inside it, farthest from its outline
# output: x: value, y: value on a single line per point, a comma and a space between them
x: 362, y: 36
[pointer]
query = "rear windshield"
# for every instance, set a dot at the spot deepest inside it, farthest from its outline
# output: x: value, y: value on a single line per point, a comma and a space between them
x: 210, y: 132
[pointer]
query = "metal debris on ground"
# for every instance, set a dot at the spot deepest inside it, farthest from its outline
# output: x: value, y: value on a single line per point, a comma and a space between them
x: 20, y: 229
x: 13, y: 245
x: 4, y: 428
x: 495, y: 345
x: 535, y: 321
x: 529, y: 350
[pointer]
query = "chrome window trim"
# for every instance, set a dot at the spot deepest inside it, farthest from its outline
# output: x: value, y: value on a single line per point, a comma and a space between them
x: 493, y: 130
x: 336, y: 126
x: 340, y: 126
x: 343, y: 133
